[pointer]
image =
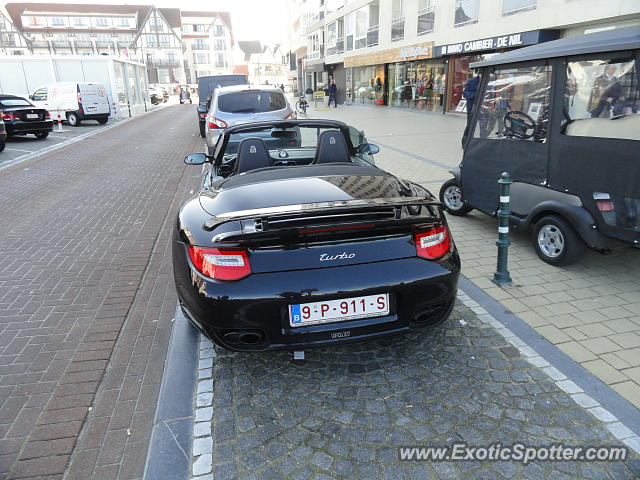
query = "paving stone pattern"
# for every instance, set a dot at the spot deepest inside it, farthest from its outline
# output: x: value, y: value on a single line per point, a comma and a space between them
x: 590, y: 310
x: 343, y: 411
x: 76, y: 232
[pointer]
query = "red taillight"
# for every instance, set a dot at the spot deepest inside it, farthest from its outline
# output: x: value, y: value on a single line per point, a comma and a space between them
x: 217, y: 123
x: 220, y: 264
x: 292, y: 115
x: 203, y: 115
x: 47, y: 115
x: 433, y: 243
x: 9, y: 116
x: 605, y: 205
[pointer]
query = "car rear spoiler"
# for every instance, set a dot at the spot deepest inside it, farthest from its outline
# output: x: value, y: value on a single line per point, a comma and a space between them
x: 381, y: 211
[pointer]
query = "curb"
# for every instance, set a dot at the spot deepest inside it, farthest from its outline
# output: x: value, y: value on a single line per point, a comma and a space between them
x: 169, y: 454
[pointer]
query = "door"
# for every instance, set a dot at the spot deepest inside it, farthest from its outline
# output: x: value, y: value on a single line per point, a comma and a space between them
x: 509, y: 132
x: 595, y: 152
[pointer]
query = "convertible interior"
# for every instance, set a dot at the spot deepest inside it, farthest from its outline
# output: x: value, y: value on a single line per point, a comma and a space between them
x: 277, y: 148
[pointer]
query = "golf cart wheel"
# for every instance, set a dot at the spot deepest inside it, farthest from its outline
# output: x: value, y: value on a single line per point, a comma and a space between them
x: 202, y: 131
x: 451, y: 197
x: 73, y: 119
x: 556, y: 242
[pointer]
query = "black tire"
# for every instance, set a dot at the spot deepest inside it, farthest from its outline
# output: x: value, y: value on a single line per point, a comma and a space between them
x: 103, y: 120
x: 202, y: 131
x: 300, y: 108
x: 556, y: 242
x: 452, y: 199
x: 73, y: 119
x: 42, y: 134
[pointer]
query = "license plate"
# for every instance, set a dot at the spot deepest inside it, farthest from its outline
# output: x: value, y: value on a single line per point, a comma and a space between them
x: 338, y: 310
x: 91, y: 108
x: 32, y: 115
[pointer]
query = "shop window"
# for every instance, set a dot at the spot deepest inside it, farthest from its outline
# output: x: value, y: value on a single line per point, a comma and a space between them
x: 514, y: 6
x: 426, y: 16
x: 466, y: 12
x: 602, y: 99
x: 515, y: 105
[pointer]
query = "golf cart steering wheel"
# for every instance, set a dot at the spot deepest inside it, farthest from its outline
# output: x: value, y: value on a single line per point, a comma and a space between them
x: 519, y: 125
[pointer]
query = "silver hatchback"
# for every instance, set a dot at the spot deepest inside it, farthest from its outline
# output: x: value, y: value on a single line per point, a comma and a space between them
x: 244, y: 104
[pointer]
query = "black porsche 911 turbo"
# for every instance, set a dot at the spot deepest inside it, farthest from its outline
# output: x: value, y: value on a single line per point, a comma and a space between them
x: 297, y: 239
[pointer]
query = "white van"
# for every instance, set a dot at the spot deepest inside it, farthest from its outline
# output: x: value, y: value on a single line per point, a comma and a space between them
x: 74, y: 101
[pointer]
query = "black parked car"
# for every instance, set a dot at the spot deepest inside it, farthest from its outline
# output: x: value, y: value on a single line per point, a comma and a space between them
x: 3, y: 135
x: 296, y: 239
x: 22, y: 117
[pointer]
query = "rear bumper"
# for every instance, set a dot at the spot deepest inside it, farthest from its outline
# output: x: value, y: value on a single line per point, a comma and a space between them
x: 30, y: 127
x: 421, y: 293
x: 92, y: 116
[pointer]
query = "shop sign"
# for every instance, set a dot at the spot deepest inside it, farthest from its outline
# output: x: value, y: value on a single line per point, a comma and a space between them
x: 414, y: 51
x: 493, y: 43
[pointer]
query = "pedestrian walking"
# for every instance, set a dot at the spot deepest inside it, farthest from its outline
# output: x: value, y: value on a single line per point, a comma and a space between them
x: 469, y: 94
x: 333, y: 90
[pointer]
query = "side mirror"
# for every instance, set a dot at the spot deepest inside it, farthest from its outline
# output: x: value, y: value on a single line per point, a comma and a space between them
x: 195, y: 159
x: 368, y: 148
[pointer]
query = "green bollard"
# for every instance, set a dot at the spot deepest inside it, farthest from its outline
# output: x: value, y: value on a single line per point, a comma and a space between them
x: 501, y: 276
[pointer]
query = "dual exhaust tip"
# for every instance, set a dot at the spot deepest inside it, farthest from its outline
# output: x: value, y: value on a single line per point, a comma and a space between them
x: 243, y: 337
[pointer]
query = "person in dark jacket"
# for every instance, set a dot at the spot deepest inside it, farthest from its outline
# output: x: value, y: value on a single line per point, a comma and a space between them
x: 333, y: 90
x: 469, y: 94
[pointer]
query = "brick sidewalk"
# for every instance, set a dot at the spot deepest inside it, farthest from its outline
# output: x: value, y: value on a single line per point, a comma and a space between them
x: 77, y: 229
x: 590, y: 310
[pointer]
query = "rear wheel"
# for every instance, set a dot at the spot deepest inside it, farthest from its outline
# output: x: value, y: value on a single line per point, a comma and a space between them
x: 451, y: 197
x: 202, y: 132
x: 102, y: 120
x: 73, y: 119
x: 42, y: 134
x: 556, y: 242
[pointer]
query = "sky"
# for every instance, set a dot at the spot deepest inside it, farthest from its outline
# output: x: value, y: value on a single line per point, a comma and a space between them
x: 264, y: 20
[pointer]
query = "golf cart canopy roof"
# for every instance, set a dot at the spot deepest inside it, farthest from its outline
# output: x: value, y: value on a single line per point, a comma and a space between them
x: 611, y: 40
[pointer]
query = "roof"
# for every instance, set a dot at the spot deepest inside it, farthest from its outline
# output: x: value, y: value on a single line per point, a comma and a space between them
x: 240, y: 88
x: 15, y: 10
x: 172, y: 15
x: 627, y: 38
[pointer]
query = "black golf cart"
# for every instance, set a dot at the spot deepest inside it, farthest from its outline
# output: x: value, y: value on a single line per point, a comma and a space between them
x: 563, y: 118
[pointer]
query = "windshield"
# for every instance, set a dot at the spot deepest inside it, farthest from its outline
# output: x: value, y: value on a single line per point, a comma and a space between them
x: 15, y: 102
x: 251, y: 102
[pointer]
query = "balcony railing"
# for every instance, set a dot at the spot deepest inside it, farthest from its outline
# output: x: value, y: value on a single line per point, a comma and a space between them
x: 426, y: 18
x: 372, y: 35
x: 397, y: 29
x: 163, y: 62
x: 337, y: 48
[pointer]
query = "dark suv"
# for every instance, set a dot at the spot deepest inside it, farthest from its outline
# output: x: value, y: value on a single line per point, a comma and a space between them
x: 206, y: 86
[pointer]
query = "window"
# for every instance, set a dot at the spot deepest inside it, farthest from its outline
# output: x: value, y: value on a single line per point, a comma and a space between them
x: 164, y: 40
x: 200, y: 58
x: 466, y: 11
x: 200, y: 44
x: 515, y: 105
x: 220, y: 60
x: 332, y: 34
x: 102, y: 22
x: 397, y: 21
x: 602, y: 99
x: 426, y: 16
x: 152, y: 41
x: 218, y: 30
x: 251, y: 102
x: 57, y: 22
x: 362, y: 25
x: 123, y: 22
x: 349, y: 30
x: 79, y: 21
x: 515, y: 6
x: 220, y: 44
x: 199, y: 28
x: 40, y: 95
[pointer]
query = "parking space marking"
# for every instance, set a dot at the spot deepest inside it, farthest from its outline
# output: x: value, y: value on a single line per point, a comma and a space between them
x: 18, y: 150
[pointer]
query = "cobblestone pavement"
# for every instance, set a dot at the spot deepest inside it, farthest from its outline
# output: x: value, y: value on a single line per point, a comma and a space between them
x: 78, y: 293
x: 343, y: 412
x: 589, y: 310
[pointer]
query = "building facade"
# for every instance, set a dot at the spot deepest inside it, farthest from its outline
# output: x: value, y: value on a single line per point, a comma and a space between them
x: 176, y: 46
x: 416, y: 53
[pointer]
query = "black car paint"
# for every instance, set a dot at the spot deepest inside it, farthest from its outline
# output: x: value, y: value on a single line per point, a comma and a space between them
x: 3, y: 135
x: 23, y: 125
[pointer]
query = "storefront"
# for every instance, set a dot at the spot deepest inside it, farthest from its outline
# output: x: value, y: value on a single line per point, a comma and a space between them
x: 316, y: 76
x: 417, y: 84
x: 399, y: 76
x: 461, y: 55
